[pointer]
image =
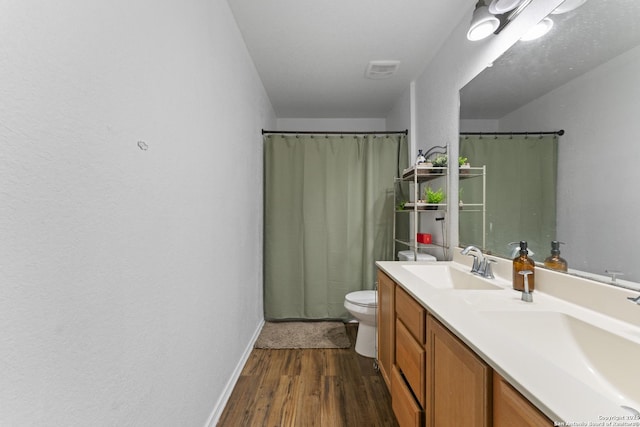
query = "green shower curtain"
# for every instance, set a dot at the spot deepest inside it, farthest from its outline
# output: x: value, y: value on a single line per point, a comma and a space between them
x: 521, y: 191
x: 328, y: 217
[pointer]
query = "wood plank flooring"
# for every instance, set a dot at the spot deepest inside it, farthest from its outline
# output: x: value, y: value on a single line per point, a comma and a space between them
x: 309, y: 387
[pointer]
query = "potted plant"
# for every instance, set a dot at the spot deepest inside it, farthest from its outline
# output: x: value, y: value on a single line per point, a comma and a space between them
x: 433, y: 197
x: 440, y: 161
x: 464, y: 165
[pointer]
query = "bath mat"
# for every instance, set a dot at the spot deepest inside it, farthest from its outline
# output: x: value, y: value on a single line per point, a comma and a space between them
x: 277, y: 335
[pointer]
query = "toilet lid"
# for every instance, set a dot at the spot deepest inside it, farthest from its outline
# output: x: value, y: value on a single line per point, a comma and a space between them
x: 363, y: 298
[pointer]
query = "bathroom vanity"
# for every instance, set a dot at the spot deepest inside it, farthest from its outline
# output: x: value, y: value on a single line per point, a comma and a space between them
x: 456, y: 349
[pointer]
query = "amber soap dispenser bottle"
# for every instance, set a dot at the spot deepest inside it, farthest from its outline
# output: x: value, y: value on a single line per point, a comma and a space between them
x: 555, y: 261
x: 522, y: 263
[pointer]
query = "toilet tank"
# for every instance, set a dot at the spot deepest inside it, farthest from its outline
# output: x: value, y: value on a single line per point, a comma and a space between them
x: 419, y: 256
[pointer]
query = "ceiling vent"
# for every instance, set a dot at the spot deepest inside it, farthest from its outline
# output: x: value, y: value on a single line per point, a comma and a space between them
x: 381, y: 69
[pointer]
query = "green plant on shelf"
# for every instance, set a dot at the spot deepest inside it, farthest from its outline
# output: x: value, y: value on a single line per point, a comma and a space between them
x: 441, y: 161
x: 433, y: 197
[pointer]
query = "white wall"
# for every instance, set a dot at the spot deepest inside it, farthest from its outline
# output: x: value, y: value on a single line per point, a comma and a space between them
x: 437, y: 89
x: 597, y: 163
x: 479, y: 125
x: 399, y: 117
x: 130, y: 280
x: 328, y: 125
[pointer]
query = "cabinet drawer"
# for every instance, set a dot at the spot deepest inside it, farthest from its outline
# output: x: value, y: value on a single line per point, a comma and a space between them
x: 411, y: 313
x: 405, y: 407
x: 411, y: 360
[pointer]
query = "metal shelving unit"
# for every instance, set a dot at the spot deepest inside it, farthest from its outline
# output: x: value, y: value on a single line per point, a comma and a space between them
x: 416, y: 177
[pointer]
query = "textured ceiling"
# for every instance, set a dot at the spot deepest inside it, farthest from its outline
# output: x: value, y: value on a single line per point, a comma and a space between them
x: 312, y: 55
x: 579, y: 41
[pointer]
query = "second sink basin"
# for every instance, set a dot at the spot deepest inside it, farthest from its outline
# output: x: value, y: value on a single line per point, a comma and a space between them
x: 448, y: 276
x: 587, y: 351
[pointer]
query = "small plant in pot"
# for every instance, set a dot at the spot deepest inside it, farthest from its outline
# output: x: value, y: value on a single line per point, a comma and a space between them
x: 440, y: 162
x: 433, y: 197
x: 464, y: 165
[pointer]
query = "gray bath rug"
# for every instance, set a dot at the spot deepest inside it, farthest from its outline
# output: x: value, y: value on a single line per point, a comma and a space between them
x: 277, y: 335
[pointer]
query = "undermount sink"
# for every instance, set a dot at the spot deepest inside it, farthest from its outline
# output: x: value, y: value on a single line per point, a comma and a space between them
x: 449, y: 277
x: 607, y: 360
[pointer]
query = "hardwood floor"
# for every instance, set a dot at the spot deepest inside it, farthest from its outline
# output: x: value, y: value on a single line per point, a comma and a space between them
x: 309, y: 387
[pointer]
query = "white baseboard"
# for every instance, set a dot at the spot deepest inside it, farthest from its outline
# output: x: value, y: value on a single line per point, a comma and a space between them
x: 228, y: 388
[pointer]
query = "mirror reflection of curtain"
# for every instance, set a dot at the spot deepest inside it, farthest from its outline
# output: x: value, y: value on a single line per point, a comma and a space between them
x: 328, y: 217
x: 521, y: 191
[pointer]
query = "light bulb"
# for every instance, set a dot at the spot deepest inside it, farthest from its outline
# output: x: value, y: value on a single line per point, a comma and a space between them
x: 498, y: 7
x: 539, y: 30
x: 482, y: 24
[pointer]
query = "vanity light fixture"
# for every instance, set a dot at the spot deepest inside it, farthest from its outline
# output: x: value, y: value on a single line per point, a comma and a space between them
x: 498, y: 7
x: 538, y: 30
x: 568, y: 6
x: 493, y: 19
x: 483, y: 23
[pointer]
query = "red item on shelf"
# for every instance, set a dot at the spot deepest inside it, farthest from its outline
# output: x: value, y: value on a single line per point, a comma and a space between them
x: 424, y: 238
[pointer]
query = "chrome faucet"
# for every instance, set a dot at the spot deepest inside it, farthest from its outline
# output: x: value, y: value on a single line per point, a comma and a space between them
x: 478, y: 257
x: 485, y: 270
x: 481, y: 264
x: 614, y: 275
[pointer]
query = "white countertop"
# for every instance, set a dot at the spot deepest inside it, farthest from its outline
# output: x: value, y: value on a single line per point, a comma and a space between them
x: 562, y: 393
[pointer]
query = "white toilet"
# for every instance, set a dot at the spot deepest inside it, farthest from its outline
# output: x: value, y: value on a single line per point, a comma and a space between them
x: 363, y: 306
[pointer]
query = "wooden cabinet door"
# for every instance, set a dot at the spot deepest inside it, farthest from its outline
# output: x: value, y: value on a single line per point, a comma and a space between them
x: 386, y: 325
x: 510, y: 408
x: 459, y: 382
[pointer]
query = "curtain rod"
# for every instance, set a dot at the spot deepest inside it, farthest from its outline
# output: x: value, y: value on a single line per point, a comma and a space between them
x: 305, y: 132
x: 556, y: 132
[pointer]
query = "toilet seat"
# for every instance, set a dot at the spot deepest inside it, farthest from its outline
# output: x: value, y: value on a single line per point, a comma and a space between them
x: 362, y: 298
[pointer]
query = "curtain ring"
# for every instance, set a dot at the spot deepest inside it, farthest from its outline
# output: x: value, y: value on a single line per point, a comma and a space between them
x: 326, y: 136
x: 341, y: 136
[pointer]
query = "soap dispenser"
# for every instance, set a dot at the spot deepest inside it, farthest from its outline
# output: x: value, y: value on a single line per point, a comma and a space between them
x: 555, y: 261
x: 523, y: 263
x: 420, y: 159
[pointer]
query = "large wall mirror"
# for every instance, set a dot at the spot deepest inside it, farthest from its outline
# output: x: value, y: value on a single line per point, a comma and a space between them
x: 582, y: 77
